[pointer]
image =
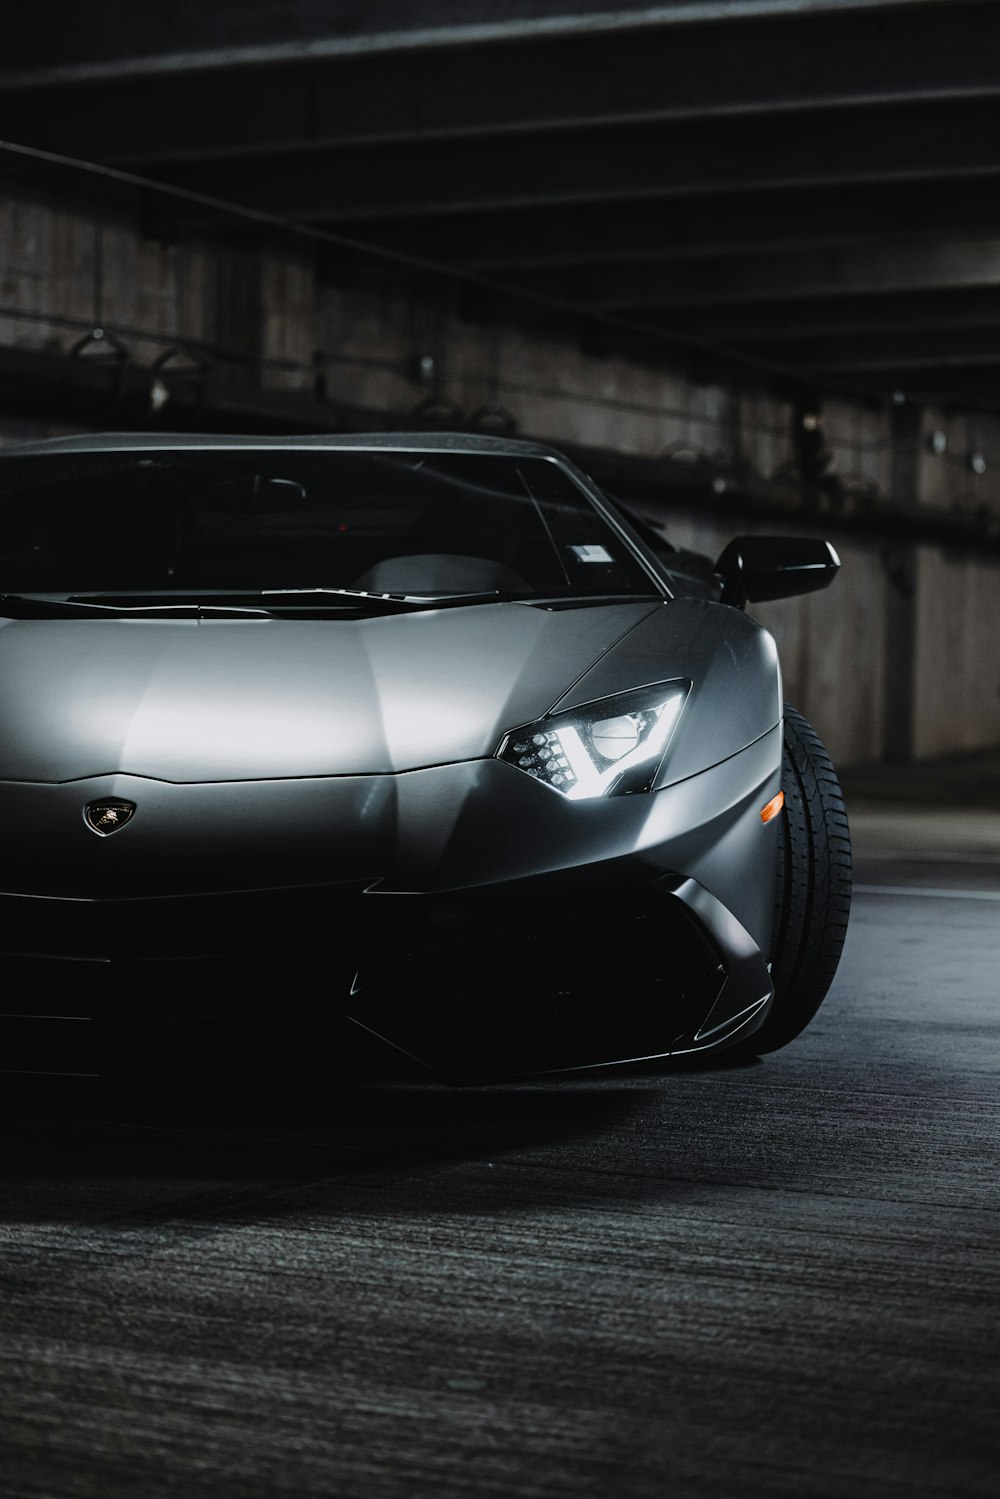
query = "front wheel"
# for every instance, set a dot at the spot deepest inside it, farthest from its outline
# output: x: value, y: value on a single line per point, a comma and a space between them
x: 813, y: 892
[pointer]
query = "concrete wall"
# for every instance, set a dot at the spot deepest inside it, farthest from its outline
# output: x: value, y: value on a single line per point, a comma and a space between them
x: 957, y: 697
x: 69, y: 270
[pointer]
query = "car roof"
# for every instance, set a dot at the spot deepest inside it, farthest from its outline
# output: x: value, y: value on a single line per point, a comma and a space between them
x: 412, y: 442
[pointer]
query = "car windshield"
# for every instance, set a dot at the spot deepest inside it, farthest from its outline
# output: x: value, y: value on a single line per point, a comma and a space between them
x: 245, y: 520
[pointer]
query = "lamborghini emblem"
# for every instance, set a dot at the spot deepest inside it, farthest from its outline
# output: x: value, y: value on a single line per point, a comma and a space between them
x: 107, y: 816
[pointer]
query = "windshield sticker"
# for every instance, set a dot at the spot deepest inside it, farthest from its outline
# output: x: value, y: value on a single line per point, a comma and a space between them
x: 591, y: 554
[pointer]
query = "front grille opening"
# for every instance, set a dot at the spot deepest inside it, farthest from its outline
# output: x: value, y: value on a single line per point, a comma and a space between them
x: 556, y: 984
x: 566, y: 959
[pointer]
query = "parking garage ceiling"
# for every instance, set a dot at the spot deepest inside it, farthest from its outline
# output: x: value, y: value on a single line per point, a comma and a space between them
x: 810, y: 183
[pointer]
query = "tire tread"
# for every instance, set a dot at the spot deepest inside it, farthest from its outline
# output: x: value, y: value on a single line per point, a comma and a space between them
x: 813, y: 890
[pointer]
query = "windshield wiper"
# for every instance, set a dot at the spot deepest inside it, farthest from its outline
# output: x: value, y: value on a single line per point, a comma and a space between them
x: 403, y: 600
x: 276, y: 603
x: 159, y: 606
x: 355, y: 596
x: 14, y: 605
x: 269, y: 601
x: 267, y: 604
x: 422, y: 601
x: 43, y: 606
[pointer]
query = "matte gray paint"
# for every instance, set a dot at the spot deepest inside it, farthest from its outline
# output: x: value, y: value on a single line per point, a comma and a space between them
x: 230, y: 700
x: 453, y: 827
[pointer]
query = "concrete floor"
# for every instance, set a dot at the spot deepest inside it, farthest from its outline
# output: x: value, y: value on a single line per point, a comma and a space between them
x: 780, y: 1278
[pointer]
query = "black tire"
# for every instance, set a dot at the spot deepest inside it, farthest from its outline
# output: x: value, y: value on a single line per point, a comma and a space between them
x: 813, y: 892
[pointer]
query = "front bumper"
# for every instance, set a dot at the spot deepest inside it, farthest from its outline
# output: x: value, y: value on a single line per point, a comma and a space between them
x: 467, y: 915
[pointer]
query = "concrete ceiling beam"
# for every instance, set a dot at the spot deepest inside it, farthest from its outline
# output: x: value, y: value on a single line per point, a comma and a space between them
x: 876, y: 353
x: 836, y: 60
x: 512, y: 241
x: 952, y: 141
x: 780, y: 327
x: 94, y: 44
x: 883, y: 268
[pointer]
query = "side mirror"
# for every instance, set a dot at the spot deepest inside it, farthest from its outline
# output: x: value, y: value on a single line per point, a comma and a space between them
x: 754, y: 569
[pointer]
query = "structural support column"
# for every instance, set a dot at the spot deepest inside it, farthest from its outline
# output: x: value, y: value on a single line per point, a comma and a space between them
x: 239, y: 314
x: 900, y: 560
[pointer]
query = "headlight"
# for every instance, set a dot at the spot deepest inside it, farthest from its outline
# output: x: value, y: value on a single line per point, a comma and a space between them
x: 609, y: 748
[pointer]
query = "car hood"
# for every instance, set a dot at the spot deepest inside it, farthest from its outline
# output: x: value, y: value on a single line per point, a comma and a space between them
x: 226, y: 700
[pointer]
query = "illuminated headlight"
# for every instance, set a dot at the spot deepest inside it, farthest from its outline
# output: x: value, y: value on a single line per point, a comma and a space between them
x: 608, y: 748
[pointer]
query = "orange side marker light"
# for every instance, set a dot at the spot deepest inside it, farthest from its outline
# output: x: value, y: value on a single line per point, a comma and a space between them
x: 773, y: 807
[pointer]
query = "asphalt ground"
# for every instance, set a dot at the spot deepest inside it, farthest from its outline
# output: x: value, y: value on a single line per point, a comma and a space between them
x: 778, y: 1278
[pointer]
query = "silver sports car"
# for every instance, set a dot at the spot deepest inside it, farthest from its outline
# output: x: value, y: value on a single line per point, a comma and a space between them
x: 420, y: 731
